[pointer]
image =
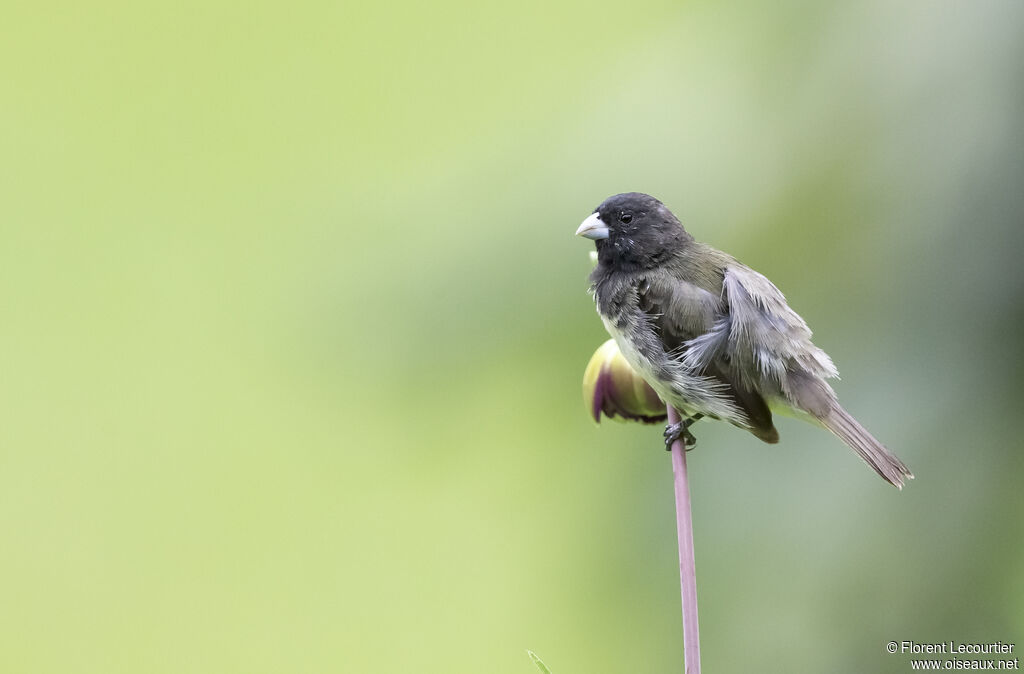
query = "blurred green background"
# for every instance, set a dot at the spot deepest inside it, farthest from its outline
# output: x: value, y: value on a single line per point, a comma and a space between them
x: 294, y: 323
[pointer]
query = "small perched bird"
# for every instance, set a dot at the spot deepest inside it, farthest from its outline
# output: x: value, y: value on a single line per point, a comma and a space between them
x: 712, y: 336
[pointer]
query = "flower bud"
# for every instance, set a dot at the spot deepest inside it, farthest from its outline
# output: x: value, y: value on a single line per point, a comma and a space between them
x: 612, y: 387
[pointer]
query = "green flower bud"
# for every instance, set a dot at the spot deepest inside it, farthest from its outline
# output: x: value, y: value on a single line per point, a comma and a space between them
x: 612, y: 387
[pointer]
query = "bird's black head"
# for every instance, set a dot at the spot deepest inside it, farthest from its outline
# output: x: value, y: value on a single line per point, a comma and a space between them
x: 634, y: 231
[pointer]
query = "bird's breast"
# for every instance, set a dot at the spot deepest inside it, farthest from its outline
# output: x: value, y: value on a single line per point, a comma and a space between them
x: 645, y: 367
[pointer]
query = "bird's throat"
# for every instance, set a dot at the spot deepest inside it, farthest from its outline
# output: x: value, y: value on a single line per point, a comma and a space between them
x: 625, y: 254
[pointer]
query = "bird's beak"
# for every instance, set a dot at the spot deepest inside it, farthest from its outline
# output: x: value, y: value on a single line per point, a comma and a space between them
x: 593, y: 228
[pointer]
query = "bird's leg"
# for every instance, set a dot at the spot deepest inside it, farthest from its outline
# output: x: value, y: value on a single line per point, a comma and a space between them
x: 681, y: 430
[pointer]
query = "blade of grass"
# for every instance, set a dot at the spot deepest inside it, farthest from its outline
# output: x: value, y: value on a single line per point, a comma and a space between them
x: 540, y: 663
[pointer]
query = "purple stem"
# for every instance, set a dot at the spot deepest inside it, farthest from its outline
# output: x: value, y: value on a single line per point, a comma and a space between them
x: 687, y: 566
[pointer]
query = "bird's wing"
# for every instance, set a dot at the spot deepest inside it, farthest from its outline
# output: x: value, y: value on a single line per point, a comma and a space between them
x: 763, y: 342
x: 680, y: 312
x: 636, y: 330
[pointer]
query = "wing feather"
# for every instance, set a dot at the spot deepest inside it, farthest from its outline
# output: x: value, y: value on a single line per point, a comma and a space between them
x: 762, y: 340
x: 682, y: 314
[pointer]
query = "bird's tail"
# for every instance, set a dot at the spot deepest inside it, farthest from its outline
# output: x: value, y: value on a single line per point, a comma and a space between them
x: 847, y: 429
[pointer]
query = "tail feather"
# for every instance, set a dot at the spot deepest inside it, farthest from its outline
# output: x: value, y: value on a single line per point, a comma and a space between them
x: 847, y: 429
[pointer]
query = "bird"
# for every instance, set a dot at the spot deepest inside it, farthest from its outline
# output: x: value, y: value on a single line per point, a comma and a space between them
x: 712, y: 337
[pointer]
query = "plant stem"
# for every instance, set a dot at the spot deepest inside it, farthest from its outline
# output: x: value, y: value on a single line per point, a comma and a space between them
x: 687, y: 565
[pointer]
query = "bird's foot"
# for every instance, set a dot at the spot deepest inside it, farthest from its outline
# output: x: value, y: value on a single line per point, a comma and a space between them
x: 680, y: 431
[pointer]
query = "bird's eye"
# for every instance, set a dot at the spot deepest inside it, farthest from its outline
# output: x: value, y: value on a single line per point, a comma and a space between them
x: 626, y: 218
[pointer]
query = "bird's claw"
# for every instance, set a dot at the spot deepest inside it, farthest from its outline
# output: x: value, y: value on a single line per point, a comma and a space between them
x: 680, y: 431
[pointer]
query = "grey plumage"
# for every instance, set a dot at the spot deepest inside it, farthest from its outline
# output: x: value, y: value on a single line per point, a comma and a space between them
x: 867, y: 448
x: 711, y: 335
